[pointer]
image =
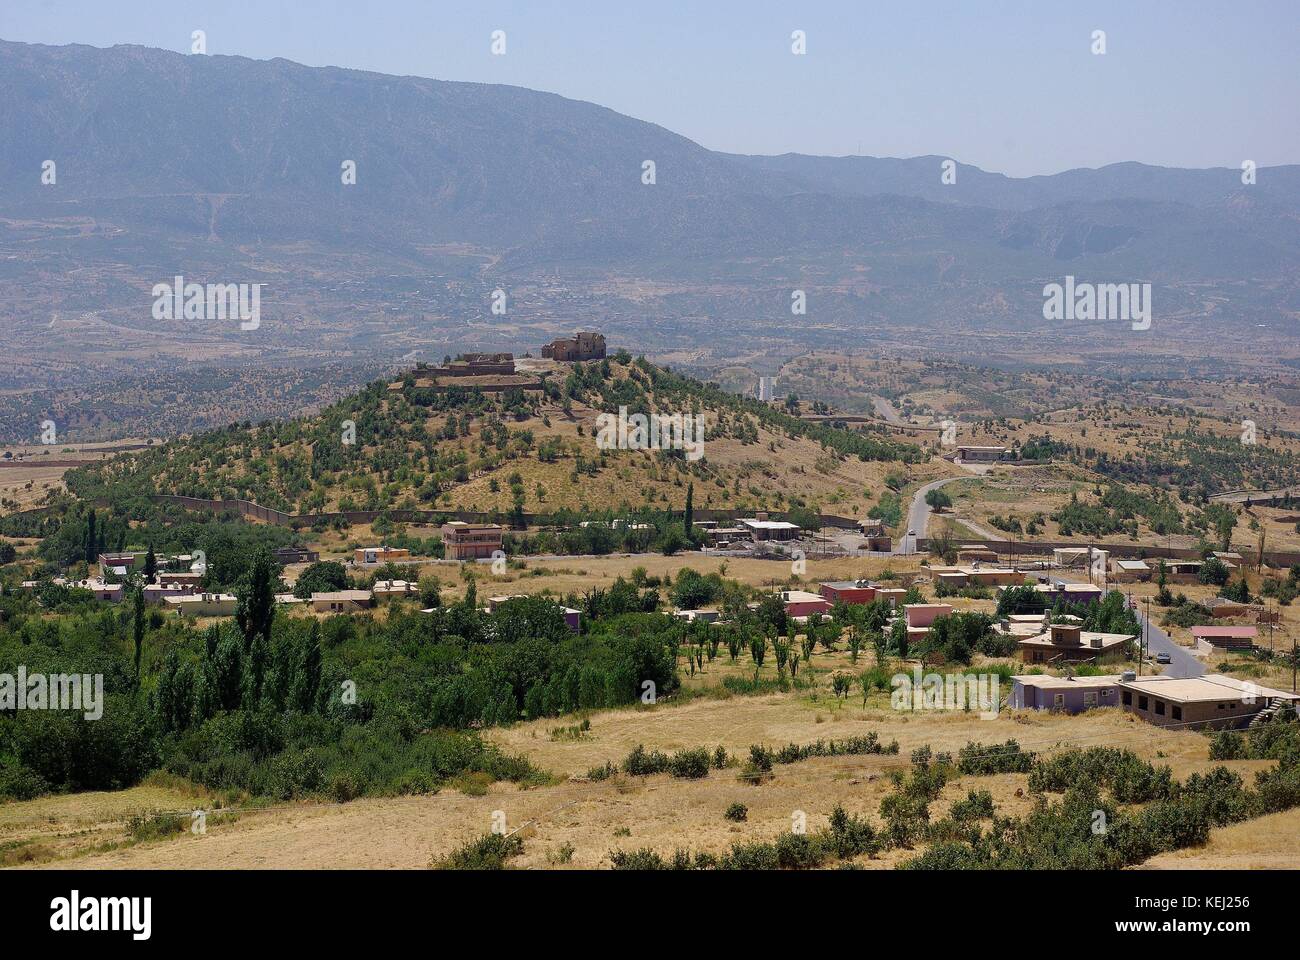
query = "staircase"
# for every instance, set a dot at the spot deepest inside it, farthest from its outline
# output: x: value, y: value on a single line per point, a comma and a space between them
x: 1266, y: 715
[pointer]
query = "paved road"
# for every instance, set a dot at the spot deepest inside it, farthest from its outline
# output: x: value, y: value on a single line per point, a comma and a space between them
x: 887, y: 410
x: 1181, y: 662
x: 918, y: 515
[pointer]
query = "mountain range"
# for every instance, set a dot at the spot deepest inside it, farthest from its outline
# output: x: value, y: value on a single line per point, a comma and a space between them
x: 225, y: 168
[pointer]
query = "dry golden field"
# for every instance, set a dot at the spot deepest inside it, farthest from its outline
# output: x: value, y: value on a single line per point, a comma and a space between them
x: 621, y: 813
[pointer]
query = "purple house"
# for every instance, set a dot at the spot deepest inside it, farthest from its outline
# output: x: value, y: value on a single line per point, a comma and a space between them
x: 1068, y: 694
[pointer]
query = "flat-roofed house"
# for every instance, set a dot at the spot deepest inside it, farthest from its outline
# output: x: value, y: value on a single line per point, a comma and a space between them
x: 381, y: 554
x: 969, y: 553
x: 393, y: 588
x: 156, y: 592
x: 470, y: 541
x: 1070, y: 643
x: 1070, y: 592
x: 1208, y: 639
x: 802, y: 603
x: 1066, y: 694
x: 203, y: 604
x: 1213, y: 700
x: 287, y: 555
x: 341, y: 601
x: 760, y: 527
x: 967, y: 453
x: 112, y: 592
x: 922, y: 615
x: 1182, y: 571
x: 116, y: 563
x: 891, y: 595
x: 848, y: 591
x: 184, y: 579
x: 1129, y: 571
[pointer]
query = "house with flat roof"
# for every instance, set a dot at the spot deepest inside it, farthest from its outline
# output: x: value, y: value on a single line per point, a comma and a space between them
x: 381, y: 554
x: 1208, y: 639
x: 971, y: 553
x: 287, y: 555
x: 697, y: 616
x: 1213, y: 701
x: 470, y: 541
x: 202, y: 604
x: 920, y: 616
x: 977, y: 575
x: 968, y: 453
x: 1070, y: 592
x: 112, y: 592
x: 393, y: 588
x: 341, y: 601
x: 584, y: 345
x: 848, y: 591
x: 1070, y: 643
x: 156, y: 592
x: 802, y: 603
x: 760, y: 527
x: 1129, y: 571
x: 1066, y: 694
x: 891, y: 595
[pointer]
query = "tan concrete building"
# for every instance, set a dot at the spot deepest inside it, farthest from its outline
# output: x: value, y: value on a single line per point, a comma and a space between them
x: 1070, y: 643
x: 470, y: 541
x: 586, y: 345
x: 1209, y: 701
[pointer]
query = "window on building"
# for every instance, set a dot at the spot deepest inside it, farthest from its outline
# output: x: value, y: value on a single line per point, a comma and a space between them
x: 1142, y: 703
x: 1178, y: 712
x: 1160, y: 708
x: 1128, y: 698
x: 1058, y: 700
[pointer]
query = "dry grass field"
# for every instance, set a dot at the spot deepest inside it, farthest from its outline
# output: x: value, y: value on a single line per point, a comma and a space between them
x: 576, y: 822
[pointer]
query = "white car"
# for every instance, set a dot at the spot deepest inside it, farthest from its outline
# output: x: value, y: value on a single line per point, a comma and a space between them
x: 911, y: 533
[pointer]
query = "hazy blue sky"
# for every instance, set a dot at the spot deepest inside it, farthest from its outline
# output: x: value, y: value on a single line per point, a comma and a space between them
x: 1009, y: 86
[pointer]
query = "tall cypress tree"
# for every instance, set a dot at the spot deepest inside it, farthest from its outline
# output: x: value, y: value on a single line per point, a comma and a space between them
x: 150, y: 565
x: 137, y: 628
x: 256, y: 607
x: 690, y: 511
x: 91, y: 537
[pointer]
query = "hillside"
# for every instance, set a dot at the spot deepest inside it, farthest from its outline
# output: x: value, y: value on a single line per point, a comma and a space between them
x: 419, y: 449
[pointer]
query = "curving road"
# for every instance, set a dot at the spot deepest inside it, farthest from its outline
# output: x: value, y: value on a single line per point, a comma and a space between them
x: 918, y: 515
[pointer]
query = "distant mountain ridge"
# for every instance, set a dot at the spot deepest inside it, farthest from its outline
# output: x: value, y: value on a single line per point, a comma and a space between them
x: 219, y: 168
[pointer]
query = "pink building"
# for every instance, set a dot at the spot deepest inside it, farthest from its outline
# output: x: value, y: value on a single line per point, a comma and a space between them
x: 801, y: 603
x: 922, y: 615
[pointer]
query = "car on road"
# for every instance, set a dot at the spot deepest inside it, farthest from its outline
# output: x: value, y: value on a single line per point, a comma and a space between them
x: 1163, y: 658
x: 911, y: 533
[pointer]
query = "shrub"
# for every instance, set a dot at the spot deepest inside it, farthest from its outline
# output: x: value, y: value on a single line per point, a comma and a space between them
x: 737, y: 812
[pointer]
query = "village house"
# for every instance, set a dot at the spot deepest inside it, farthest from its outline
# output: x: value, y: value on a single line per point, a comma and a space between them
x: 156, y: 592
x: 341, y: 601
x: 393, y: 588
x: 967, y: 453
x: 1130, y: 571
x: 761, y: 528
x: 382, y: 554
x: 1213, y: 700
x: 891, y: 595
x: 697, y: 616
x: 965, y: 576
x: 1070, y: 643
x: 919, y: 617
x: 973, y: 553
x: 287, y: 555
x: 1070, y: 592
x: 202, y: 604
x: 1182, y: 571
x: 1066, y: 694
x: 1207, y: 639
x: 118, y: 564
x: 182, y: 579
x: 470, y: 541
x: 802, y: 603
x: 848, y: 591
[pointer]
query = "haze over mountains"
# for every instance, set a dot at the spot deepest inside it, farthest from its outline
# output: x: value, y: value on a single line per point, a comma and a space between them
x: 226, y: 169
